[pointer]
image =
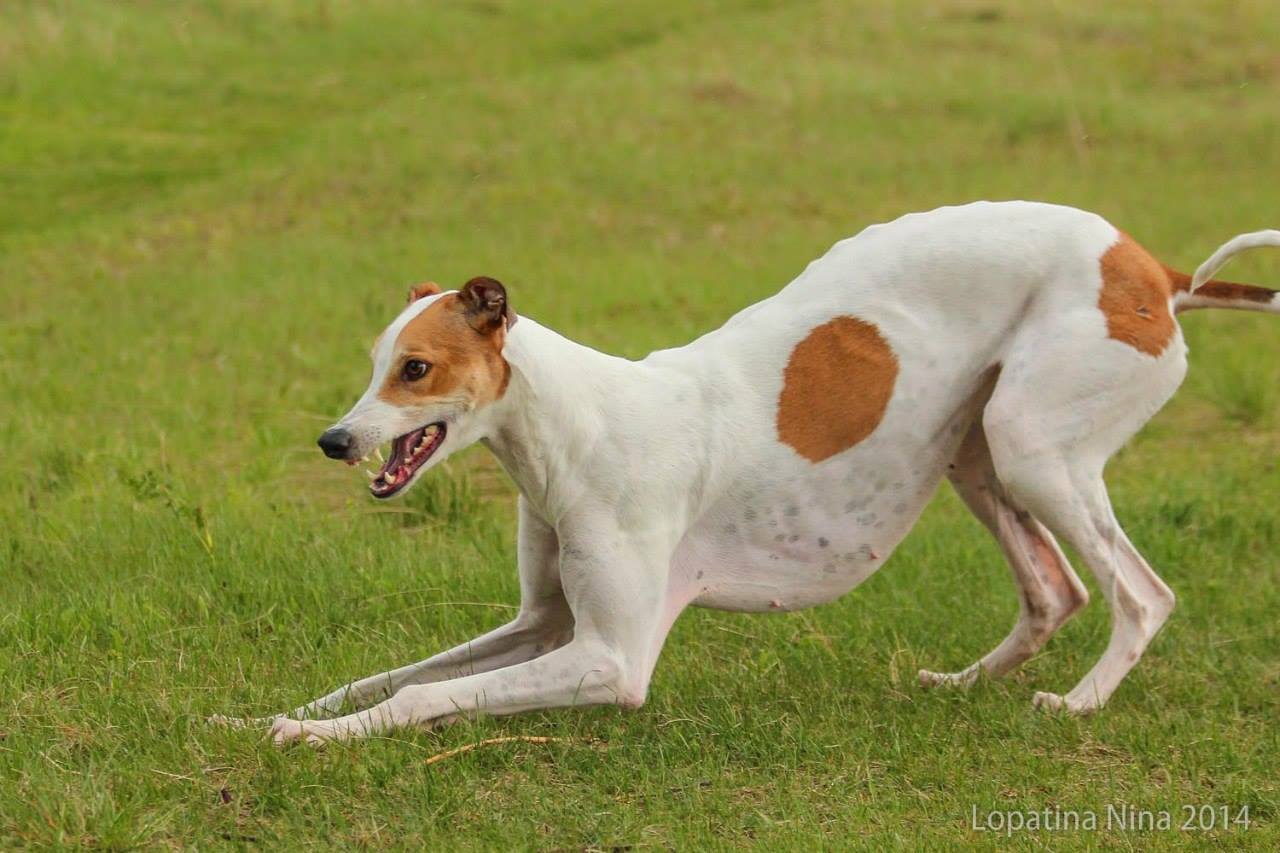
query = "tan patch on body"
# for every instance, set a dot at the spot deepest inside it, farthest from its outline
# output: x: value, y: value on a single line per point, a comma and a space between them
x: 465, y: 364
x: 1135, y: 296
x: 835, y: 388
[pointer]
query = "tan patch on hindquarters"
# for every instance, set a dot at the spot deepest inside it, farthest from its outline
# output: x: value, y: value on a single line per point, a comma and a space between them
x: 835, y: 388
x: 465, y: 363
x: 1135, y: 296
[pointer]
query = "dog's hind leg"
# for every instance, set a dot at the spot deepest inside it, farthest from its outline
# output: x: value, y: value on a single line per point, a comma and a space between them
x: 1071, y: 497
x: 1049, y: 592
x: 1052, y: 423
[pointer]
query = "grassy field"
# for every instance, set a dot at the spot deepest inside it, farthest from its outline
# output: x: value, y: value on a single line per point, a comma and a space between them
x: 208, y: 209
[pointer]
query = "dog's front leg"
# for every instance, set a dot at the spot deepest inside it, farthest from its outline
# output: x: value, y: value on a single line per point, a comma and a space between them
x: 617, y: 591
x: 535, y: 631
x: 529, y: 635
x: 544, y: 623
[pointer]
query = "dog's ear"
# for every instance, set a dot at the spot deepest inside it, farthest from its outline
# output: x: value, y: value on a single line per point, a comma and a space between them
x: 427, y: 288
x: 485, y: 303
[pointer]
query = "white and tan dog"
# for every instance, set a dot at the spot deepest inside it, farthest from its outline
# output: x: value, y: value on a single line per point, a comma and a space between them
x: 776, y: 462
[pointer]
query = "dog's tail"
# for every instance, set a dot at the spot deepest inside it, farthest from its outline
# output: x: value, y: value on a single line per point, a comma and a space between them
x: 1202, y: 291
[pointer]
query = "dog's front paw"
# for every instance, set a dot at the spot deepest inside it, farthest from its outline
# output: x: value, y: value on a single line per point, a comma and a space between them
x: 221, y: 721
x: 1054, y: 703
x: 285, y: 731
x: 962, y: 680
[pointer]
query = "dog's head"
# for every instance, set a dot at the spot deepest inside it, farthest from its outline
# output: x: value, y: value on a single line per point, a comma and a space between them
x: 434, y: 368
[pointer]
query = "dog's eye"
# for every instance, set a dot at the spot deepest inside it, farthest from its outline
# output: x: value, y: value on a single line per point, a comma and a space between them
x: 415, y: 369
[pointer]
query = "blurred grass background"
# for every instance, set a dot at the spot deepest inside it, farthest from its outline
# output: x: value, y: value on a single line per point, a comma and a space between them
x: 207, y: 211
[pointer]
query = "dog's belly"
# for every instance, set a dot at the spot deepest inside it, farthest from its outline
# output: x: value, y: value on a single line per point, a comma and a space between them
x: 787, y: 533
x: 807, y: 540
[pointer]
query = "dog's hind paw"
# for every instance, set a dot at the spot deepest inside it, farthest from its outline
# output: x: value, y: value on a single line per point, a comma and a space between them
x: 962, y: 680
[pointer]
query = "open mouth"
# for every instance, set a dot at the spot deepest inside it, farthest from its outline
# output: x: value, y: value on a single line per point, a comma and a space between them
x: 409, y: 452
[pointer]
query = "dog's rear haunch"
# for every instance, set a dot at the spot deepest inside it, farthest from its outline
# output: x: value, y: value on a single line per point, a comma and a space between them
x: 776, y: 462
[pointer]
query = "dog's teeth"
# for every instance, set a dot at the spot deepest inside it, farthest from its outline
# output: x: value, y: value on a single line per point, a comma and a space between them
x: 391, y: 479
x: 372, y: 475
x: 378, y: 452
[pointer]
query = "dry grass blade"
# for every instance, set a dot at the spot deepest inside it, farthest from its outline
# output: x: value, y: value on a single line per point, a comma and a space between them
x: 450, y: 753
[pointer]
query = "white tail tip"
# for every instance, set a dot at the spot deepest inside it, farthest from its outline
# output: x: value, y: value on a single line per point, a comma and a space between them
x: 1231, y: 248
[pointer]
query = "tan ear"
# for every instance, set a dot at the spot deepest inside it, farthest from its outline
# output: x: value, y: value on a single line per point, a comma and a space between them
x: 485, y: 302
x: 427, y: 288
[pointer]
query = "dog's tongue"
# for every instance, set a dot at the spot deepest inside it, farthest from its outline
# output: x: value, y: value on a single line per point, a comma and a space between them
x: 408, y: 453
x: 401, y: 450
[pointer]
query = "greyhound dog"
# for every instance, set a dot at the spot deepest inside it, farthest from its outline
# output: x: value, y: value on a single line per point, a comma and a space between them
x: 776, y: 462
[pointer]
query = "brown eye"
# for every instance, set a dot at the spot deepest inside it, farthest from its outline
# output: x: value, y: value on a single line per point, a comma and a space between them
x: 415, y: 369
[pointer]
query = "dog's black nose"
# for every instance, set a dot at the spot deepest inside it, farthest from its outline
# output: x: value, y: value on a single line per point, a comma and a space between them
x: 336, y: 443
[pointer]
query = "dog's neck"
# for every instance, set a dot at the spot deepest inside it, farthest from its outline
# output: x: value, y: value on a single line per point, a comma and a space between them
x: 554, y: 412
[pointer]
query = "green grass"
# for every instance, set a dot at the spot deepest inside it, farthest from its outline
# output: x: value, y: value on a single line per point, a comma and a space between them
x: 208, y: 209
